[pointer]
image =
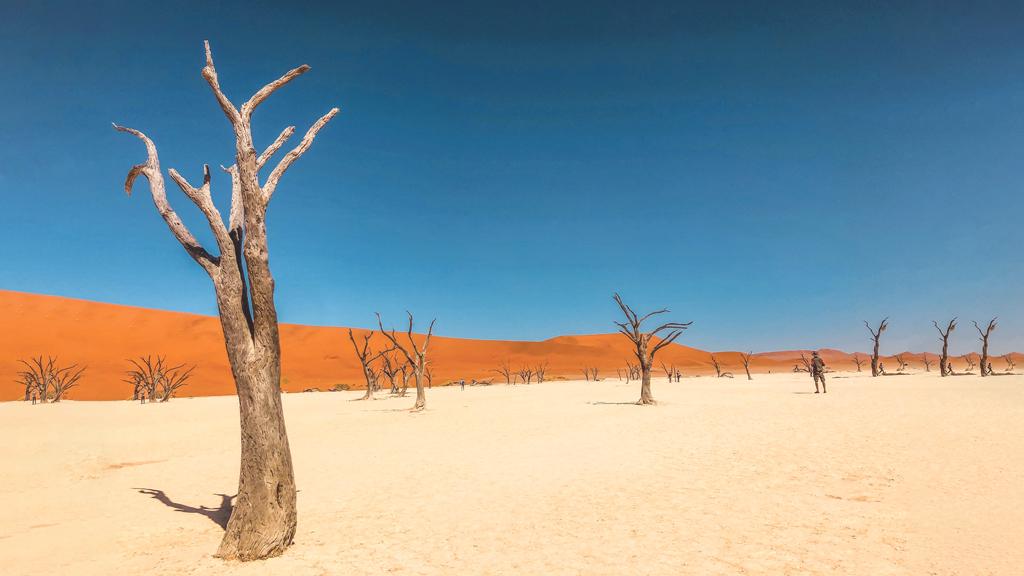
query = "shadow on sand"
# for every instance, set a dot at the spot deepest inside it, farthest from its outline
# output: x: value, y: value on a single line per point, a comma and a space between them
x: 217, y: 515
x: 613, y: 403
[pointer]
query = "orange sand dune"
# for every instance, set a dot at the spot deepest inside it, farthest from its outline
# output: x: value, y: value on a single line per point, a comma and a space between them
x: 103, y: 336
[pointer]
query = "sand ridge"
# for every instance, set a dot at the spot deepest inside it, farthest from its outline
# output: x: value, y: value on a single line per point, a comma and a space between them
x: 104, y: 336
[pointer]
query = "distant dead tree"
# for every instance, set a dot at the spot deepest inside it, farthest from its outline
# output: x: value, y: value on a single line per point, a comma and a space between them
x: 156, y: 379
x: 405, y: 369
x: 593, y: 374
x: 263, y: 519
x: 429, y: 375
x: 631, y: 329
x: 805, y: 364
x: 46, y: 380
x: 669, y: 370
x: 632, y: 371
x: 971, y: 362
x: 618, y: 373
x: 718, y: 368
x: 876, y: 336
x: 927, y: 362
x: 366, y: 360
x: 944, y: 336
x: 526, y: 374
x: 858, y: 361
x: 985, y: 371
x: 1008, y: 358
x: 415, y: 354
x: 586, y: 373
x: 505, y: 370
x: 745, y: 358
x: 901, y: 364
x: 540, y: 370
x: 390, y: 367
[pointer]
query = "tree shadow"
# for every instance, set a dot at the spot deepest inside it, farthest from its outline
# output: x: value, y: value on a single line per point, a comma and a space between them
x: 218, y: 515
x: 613, y: 403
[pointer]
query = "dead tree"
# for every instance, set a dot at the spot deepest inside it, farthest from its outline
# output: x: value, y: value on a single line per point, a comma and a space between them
x: 415, y: 354
x: 263, y: 519
x: 971, y: 363
x: 927, y: 362
x: 406, y: 370
x: 858, y: 361
x: 718, y: 368
x: 540, y: 370
x: 805, y: 364
x: 631, y: 329
x: 526, y: 374
x: 876, y: 335
x: 586, y: 373
x: 593, y: 374
x: 366, y: 360
x: 156, y: 379
x: 746, y: 363
x: 901, y: 364
x: 46, y: 380
x: 632, y: 371
x: 669, y: 370
x: 505, y: 370
x: 389, y: 367
x: 1009, y: 362
x: 984, y: 344
x: 944, y: 336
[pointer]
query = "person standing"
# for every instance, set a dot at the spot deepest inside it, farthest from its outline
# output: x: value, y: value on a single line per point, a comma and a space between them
x: 818, y: 372
x: 462, y: 385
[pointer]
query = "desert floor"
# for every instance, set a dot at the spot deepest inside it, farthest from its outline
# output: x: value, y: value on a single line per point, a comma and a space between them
x: 908, y: 475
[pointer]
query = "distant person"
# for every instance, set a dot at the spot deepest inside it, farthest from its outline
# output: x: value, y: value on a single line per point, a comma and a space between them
x: 818, y: 372
x: 462, y: 384
x: 142, y: 398
x: 34, y: 398
x: 881, y: 368
x: 989, y: 369
x: 949, y: 368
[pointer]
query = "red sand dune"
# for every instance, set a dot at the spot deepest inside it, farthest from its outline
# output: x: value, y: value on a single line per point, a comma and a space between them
x: 104, y: 336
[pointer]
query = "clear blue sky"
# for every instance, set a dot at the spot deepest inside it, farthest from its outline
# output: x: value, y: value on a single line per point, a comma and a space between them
x: 776, y: 173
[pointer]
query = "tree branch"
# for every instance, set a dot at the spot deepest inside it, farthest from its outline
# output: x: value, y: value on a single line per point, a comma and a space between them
x: 266, y: 91
x: 202, y: 198
x: 210, y: 74
x: 294, y: 154
x: 151, y: 170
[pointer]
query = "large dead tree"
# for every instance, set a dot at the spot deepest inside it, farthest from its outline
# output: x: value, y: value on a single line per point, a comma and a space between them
x: 746, y: 363
x: 984, y: 335
x: 415, y: 354
x: 876, y: 336
x: 263, y: 519
x: 366, y: 359
x: 47, y: 380
x: 944, y: 336
x: 389, y: 367
x: 858, y: 361
x: 632, y: 329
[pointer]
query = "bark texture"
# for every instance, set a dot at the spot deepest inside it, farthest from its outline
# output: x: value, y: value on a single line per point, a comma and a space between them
x: 263, y: 518
x: 984, y: 336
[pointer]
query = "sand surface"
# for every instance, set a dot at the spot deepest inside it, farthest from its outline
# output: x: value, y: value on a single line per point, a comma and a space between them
x: 906, y: 475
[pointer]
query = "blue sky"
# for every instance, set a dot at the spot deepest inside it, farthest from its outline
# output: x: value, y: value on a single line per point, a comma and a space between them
x: 775, y: 172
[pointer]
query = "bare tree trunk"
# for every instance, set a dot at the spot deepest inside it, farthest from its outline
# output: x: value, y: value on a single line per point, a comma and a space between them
x: 876, y: 335
x: 263, y: 519
x: 984, y: 344
x: 631, y: 329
